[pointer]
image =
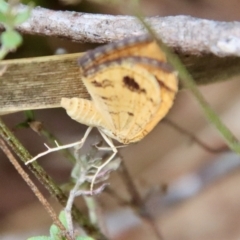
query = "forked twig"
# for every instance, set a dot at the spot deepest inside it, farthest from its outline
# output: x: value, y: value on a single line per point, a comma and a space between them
x: 58, y: 148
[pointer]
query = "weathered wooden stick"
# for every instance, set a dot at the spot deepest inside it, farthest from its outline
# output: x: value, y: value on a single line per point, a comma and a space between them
x: 38, y: 83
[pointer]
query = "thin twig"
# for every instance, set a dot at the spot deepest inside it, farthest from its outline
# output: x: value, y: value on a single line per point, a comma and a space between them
x: 194, y: 138
x: 77, y: 144
x: 137, y: 202
x: 34, y: 188
x: 131, y: 187
x: 152, y: 222
x: 50, y: 150
x: 68, y: 208
x: 121, y: 201
x: 38, y: 127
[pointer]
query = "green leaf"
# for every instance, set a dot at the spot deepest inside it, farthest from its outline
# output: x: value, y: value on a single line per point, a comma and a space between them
x: 40, y: 238
x: 3, y: 18
x: 62, y: 218
x: 22, y: 125
x: 3, y: 6
x: 54, y: 231
x: 11, y: 39
x: 29, y: 114
x: 3, y: 52
x: 21, y: 17
x: 76, y: 170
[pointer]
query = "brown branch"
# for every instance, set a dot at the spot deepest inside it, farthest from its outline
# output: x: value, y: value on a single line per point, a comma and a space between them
x: 34, y: 188
x: 179, y: 32
x: 136, y: 199
x: 39, y: 83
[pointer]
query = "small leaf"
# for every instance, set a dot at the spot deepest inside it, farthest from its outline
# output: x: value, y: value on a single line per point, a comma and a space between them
x: 62, y: 218
x: 29, y: 114
x: 54, y: 231
x: 21, y: 17
x: 21, y: 125
x: 76, y: 170
x: 3, y: 6
x: 11, y: 39
x: 3, y: 18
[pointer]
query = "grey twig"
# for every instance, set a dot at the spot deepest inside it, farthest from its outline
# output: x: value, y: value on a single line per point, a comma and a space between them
x: 184, y: 33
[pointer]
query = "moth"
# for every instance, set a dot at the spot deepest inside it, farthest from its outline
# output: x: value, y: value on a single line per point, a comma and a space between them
x: 132, y: 87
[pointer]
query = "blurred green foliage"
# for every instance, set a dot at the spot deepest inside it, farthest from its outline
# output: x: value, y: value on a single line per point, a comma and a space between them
x: 10, y: 18
x: 56, y: 234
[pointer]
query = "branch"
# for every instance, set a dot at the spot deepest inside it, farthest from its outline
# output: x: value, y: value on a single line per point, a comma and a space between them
x: 42, y: 82
x: 34, y: 188
x: 46, y: 180
x: 186, y: 34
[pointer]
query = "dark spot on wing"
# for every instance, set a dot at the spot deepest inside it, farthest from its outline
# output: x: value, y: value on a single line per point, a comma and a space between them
x: 110, y: 98
x: 130, y: 114
x: 104, y: 98
x: 113, y: 113
x: 103, y: 84
x: 96, y: 84
x: 132, y: 85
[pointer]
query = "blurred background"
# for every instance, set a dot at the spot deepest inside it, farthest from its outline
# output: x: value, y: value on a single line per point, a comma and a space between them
x: 191, y: 192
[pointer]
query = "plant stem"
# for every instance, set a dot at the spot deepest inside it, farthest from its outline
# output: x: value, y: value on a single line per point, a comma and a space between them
x: 47, y: 181
x: 189, y: 83
x: 34, y: 188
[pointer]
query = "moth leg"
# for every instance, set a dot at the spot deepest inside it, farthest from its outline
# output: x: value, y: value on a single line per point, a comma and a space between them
x: 109, y: 148
x: 113, y: 148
